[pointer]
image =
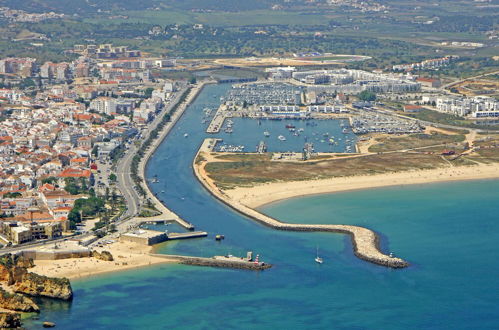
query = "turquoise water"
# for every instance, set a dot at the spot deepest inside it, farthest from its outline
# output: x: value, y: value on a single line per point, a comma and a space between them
x: 449, y: 233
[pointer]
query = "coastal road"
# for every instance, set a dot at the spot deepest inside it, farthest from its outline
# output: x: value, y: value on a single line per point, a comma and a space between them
x: 124, y: 180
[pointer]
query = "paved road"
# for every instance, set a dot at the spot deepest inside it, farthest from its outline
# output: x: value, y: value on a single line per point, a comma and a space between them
x: 125, y: 183
x: 469, y: 78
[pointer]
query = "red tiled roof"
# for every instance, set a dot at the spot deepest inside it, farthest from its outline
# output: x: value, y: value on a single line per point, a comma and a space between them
x: 75, y: 173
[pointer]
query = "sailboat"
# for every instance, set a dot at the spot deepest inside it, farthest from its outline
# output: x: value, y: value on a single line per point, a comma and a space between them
x: 317, y: 258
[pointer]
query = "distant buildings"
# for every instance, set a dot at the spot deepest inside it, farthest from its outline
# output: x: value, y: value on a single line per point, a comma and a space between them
x: 476, y: 107
x: 429, y: 82
x: 23, y: 67
x: 431, y: 64
x: 105, y: 51
x: 355, y: 81
x: 15, y: 15
x: 466, y: 44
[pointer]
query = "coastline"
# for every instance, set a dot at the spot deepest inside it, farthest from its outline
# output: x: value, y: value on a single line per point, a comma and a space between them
x: 127, y: 256
x: 365, y: 241
x: 264, y: 194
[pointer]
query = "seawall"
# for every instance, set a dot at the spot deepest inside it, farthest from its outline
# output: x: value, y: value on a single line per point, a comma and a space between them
x: 212, y: 262
x: 365, y: 241
x: 165, y: 212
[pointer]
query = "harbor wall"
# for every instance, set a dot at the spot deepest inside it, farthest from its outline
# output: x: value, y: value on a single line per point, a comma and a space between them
x: 211, y: 262
x: 365, y: 241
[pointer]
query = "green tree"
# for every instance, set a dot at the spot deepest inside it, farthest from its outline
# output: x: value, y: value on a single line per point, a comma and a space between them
x: 367, y: 96
x: 12, y: 195
x: 112, y: 177
x: 50, y: 180
x: 148, y: 92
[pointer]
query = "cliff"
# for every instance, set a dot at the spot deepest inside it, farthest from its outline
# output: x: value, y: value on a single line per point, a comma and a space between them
x: 37, y: 285
x: 13, y: 268
x: 17, y: 302
x: 10, y: 320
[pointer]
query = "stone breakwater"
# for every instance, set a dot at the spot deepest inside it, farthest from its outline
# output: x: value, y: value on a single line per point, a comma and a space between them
x: 365, y: 241
x: 212, y: 262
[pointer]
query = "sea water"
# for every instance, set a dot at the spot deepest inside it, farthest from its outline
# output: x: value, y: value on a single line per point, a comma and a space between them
x: 448, y: 232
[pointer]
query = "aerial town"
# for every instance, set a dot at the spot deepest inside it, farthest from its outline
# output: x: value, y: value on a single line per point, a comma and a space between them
x: 261, y: 164
x: 59, y: 137
x: 64, y: 125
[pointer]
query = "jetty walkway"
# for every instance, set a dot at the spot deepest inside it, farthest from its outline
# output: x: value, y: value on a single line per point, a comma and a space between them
x: 215, y: 262
x: 365, y: 241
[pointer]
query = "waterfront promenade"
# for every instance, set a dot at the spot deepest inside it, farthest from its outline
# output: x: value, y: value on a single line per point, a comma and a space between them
x: 126, y: 182
x: 365, y: 241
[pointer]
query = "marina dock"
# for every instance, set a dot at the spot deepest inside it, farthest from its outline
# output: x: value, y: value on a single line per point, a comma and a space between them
x: 192, y: 234
x: 218, y: 120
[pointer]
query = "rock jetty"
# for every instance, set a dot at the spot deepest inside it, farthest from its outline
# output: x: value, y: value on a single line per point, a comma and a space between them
x: 365, y: 241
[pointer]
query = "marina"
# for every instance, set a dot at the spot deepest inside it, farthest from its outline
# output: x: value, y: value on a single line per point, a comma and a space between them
x: 328, y: 135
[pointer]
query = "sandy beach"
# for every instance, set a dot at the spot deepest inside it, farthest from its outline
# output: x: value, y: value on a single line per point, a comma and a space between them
x: 126, y: 256
x: 259, y: 195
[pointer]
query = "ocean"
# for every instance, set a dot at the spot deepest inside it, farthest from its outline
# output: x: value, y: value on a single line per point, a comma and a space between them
x: 448, y: 232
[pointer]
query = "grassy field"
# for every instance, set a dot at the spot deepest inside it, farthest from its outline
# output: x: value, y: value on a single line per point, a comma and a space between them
x: 247, y: 170
x: 392, y: 143
x: 252, y: 17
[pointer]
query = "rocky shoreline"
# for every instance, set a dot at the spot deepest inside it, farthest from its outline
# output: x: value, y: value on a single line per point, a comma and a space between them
x: 19, y: 285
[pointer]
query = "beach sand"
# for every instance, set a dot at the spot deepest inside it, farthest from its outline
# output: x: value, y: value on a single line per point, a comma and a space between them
x: 259, y: 195
x: 126, y: 256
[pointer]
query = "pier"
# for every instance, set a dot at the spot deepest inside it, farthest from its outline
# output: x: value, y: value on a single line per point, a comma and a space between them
x: 217, y: 121
x: 217, y: 261
x: 192, y: 234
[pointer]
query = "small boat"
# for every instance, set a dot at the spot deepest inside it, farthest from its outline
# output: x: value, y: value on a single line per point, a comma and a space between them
x: 282, y: 138
x: 345, y: 131
x: 391, y: 255
x: 267, y: 134
x: 290, y: 126
x: 318, y: 259
x: 219, y: 237
x: 186, y: 135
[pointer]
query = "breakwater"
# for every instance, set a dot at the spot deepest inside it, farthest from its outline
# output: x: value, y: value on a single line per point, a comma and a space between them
x: 212, y: 262
x: 365, y: 241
